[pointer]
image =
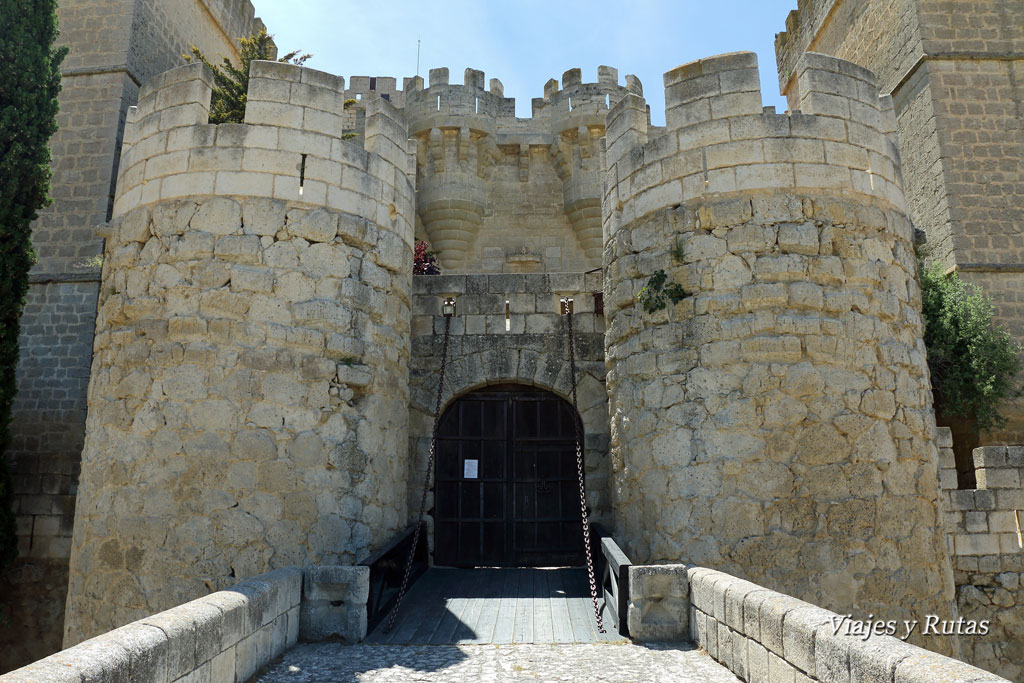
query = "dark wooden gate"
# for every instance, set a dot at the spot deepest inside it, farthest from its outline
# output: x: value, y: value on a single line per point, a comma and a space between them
x: 506, y: 489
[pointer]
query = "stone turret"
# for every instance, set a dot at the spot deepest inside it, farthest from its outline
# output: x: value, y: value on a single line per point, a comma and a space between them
x: 775, y: 421
x: 577, y: 113
x: 472, y: 150
x: 248, y: 400
x: 454, y: 127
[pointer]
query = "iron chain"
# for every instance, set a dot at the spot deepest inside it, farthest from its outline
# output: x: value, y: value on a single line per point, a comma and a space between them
x: 579, y: 469
x: 426, y: 480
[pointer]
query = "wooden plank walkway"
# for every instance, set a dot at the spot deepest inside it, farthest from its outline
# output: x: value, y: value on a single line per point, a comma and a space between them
x: 509, y: 605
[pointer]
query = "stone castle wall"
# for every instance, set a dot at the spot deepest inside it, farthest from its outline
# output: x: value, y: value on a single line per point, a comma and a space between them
x: 115, y: 46
x: 982, y: 527
x: 776, y: 423
x: 249, y: 390
x: 496, y: 193
x: 955, y: 76
x: 532, y: 352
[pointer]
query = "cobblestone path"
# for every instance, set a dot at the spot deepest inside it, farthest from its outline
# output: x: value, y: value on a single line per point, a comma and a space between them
x: 605, y: 662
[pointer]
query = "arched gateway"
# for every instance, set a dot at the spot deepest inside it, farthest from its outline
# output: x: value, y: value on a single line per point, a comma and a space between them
x: 507, y: 491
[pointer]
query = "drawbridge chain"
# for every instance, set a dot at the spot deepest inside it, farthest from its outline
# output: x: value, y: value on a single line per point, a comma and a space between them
x: 567, y: 306
x: 449, y: 311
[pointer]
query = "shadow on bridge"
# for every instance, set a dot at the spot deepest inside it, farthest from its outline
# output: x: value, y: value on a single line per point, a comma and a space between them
x: 507, y: 605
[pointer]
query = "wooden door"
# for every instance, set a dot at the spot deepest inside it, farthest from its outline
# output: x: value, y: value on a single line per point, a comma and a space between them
x: 506, y: 491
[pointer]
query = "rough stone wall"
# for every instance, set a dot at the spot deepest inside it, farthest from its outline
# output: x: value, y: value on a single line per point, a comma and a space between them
x: 982, y: 527
x: 532, y: 352
x: 955, y: 72
x: 776, y: 423
x: 56, y: 337
x: 500, y: 194
x: 249, y: 390
x: 164, y: 30
x: 110, y: 55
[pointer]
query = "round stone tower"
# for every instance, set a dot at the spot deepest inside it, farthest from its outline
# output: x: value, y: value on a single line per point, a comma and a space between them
x: 774, y: 418
x: 454, y: 128
x: 249, y: 391
x: 577, y: 113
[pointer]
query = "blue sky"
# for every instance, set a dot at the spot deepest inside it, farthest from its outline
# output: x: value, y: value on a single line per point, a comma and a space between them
x: 525, y: 42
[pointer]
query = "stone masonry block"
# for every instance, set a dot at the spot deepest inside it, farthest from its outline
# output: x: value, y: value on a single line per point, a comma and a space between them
x: 209, y: 621
x: 97, y: 659
x: 779, y: 670
x: 798, y: 633
x: 739, y: 655
x: 438, y: 76
x: 293, y: 626
x: 44, y: 670
x: 334, y: 603
x: 659, y: 602
x: 989, y: 456
x: 998, y: 478
x: 711, y: 636
x: 348, y: 583
x: 831, y: 655
x: 179, y: 625
x: 263, y: 600
x: 757, y: 662
x: 735, y: 595
x: 279, y: 635
x: 701, y: 594
x: 773, y: 612
x: 922, y: 665
x: 222, y: 667
x: 247, y: 657
x: 874, y: 660
x: 275, y: 70
x: 147, y: 648
x: 752, y: 612
x: 725, y: 647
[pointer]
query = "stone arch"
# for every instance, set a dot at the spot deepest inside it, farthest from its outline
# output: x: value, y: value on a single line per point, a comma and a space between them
x: 473, y: 366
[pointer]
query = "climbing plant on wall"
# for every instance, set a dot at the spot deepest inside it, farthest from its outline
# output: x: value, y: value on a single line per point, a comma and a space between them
x: 656, y: 295
x: 29, y: 84
x: 231, y: 83
x: 973, y: 362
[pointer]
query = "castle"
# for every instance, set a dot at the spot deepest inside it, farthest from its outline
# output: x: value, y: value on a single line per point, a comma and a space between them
x: 264, y: 365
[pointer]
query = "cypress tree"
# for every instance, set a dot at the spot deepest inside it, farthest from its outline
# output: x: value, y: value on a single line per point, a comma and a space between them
x: 29, y: 84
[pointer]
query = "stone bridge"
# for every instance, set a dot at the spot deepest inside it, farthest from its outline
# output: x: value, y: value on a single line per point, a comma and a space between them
x: 688, y: 623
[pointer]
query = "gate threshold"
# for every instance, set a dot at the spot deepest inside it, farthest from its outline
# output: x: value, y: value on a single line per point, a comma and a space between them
x: 497, y: 605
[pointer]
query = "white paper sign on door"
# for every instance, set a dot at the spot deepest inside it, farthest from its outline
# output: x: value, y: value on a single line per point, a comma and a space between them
x: 470, y: 469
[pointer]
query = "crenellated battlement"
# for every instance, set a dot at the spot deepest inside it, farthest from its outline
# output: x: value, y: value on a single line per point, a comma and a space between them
x: 289, y: 148
x: 719, y: 139
x: 582, y: 104
x: 444, y: 105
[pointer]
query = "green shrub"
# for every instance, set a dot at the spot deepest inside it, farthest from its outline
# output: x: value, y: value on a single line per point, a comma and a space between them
x: 231, y: 83
x: 29, y: 84
x: 655, y: 295
x: 973, y: 362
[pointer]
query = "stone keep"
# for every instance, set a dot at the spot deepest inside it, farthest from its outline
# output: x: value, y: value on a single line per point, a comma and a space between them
x: 248, y: 402
x: 776, y: 423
